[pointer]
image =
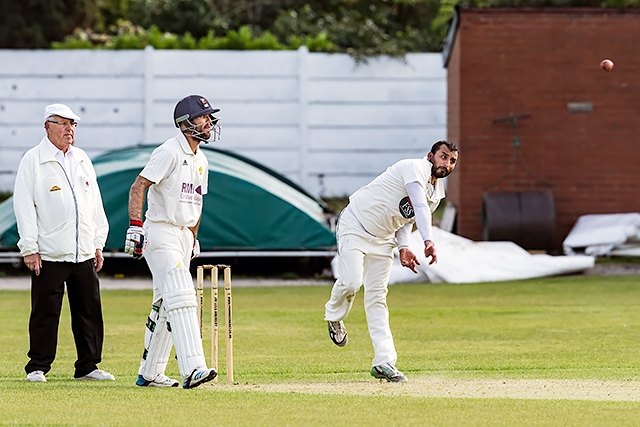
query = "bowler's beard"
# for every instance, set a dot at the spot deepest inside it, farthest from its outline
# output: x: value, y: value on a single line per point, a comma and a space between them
x: 439, y: 172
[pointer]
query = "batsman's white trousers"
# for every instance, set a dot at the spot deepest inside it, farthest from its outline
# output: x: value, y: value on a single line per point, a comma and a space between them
x: 170, y: 247
x: 364, y: 260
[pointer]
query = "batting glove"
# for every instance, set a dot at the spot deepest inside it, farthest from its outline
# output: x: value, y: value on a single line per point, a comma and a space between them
x: 135, y: 243
x: 196, y: 249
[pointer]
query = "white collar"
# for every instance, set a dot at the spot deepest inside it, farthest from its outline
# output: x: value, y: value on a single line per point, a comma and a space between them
x: 56, y: 152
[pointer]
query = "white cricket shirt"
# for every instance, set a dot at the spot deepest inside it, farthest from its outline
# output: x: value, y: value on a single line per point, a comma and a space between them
x: 180, y: 180
x: 383, y: 205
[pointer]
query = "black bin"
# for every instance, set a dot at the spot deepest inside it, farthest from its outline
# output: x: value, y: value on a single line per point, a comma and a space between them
x: 526, y: 218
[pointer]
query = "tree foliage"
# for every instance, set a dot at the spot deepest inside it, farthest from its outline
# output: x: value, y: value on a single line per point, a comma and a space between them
x: 362, y: 28
x: 129, y: 36
x: 36, y: 23
x: 366, y: 28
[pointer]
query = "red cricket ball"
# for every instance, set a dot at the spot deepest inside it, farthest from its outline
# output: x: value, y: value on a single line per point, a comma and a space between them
x: 606, y: 65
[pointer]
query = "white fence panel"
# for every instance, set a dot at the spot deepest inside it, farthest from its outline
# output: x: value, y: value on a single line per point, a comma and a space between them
x: 323, y: 120
x: 385, y: 90
x: 67, y: 63
x: 92, y: 113
x: 85, y: 87
x: 396, y: 115
x: 230, y: 89
x: 212, y: 63
x: 374, y: 138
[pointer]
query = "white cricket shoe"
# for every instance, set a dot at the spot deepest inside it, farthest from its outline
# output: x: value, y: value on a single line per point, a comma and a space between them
x: 36, y: 377
x: 338, y: 333
x: 199, y: 377
x: 159, y: 381
x: 97, y: 375
x: 388, y: 372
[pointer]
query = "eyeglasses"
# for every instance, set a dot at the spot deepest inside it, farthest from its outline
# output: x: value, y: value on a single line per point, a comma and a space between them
x: 64, y: 124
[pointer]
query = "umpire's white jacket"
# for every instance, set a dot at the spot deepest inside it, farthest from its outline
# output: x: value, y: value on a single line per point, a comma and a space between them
x: 60, y: 219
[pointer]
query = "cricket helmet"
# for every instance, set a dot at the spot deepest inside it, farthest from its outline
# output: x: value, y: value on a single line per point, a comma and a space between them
x: 194, y: 106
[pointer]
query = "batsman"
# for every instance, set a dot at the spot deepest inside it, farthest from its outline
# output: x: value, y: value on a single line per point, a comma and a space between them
x: 175, y: 180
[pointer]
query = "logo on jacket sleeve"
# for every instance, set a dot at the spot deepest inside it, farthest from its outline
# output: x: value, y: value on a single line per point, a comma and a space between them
x: 406, y: 208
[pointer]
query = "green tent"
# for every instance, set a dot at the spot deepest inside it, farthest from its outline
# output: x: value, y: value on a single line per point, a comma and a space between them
x: 248, y: 208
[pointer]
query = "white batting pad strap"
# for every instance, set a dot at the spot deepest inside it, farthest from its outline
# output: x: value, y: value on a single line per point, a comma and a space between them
x: 157, y: 344
x: 186, y: 339
x: 178, y: 290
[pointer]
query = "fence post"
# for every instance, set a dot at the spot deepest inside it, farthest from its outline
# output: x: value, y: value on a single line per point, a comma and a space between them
x: 303, y: 123
x: 147, y: 102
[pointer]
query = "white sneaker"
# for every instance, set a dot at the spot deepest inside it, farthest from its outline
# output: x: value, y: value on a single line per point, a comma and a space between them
x: 199, y: 377
x: 159, y: 381
x: 388, y: 372
x: 338, y: 333
x: 36, y: 377
x: 98, y: 375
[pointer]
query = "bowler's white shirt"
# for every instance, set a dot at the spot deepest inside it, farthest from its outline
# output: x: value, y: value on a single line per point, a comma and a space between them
x: 383, y: 205
x: 180, y: 179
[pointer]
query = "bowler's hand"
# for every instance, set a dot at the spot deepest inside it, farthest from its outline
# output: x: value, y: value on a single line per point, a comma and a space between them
x: 430, y: 251
x: 135, y: 243
x: 409, y: 259
x: 196, y: 249
x: 99, y: 260
x: 33, y: 262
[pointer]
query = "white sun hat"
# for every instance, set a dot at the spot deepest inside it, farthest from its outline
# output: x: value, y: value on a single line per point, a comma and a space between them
x: 60, y: 110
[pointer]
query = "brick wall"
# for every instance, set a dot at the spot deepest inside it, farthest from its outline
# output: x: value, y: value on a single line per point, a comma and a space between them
x: 507, y: 62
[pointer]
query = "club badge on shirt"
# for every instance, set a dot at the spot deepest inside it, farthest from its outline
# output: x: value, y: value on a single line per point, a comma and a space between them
x: 406, y: 208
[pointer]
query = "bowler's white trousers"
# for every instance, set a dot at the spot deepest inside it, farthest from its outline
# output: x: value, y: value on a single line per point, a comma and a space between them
x: 364, y: 260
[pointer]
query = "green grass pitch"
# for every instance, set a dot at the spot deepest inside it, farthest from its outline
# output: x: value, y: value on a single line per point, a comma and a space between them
x: 574, y: 331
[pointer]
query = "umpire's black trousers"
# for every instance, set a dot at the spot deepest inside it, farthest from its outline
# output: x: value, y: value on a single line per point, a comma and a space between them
x: 47, y: 292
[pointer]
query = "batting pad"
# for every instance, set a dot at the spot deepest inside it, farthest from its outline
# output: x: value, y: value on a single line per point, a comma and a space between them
x: 178, y: 290
x: 157, y: 344
x: 180, y: 302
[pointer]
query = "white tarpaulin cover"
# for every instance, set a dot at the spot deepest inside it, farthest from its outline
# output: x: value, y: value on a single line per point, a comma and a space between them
x: 462, y: 260
x: 605, y: 234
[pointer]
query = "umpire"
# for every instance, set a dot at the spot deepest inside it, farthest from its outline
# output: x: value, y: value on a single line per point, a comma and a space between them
x: 62, y: 228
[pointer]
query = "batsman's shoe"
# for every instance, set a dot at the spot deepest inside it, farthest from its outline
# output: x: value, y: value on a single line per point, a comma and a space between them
x: 159, y: 381
x: 199, y: 377
x: 36, y: 377
x: 338, y: 333
x: 388, y: 372
x: 97, y: 375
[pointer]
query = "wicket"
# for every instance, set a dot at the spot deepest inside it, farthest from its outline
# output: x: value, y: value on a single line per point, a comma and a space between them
x: 214, y: 313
